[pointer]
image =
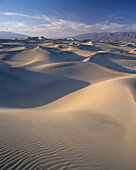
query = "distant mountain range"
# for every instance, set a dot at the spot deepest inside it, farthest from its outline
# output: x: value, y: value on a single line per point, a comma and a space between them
x: 8, y: 35
x: 115, y: 36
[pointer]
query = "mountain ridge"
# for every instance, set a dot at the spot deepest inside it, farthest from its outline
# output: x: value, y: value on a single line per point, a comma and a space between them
x: 112, y: 36
x: 9, y: 35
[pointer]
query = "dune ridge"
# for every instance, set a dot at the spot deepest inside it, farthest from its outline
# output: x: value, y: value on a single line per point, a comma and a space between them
x: 67, y: 104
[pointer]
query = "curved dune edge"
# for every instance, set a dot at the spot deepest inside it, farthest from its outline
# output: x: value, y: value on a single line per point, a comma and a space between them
x: 67, y: 108
x: 104, y: 94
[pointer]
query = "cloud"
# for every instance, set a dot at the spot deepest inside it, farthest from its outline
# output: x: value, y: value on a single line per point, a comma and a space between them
x: 113, y: 18
x: 43, y: 17
x: 56, y: 27
x: 112, y: 27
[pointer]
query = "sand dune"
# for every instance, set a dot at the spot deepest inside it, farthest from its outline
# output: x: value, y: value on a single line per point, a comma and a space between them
x: 66, y: 105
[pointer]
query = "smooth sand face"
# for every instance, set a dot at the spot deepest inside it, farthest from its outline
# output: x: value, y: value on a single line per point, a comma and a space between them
x: 72, y: 107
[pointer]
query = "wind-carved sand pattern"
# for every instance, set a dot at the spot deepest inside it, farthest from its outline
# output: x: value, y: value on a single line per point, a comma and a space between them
x: 67, y: 104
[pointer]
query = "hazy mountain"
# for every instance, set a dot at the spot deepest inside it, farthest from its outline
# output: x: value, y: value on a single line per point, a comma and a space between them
x: 8, y: 35
x: 115, y: 36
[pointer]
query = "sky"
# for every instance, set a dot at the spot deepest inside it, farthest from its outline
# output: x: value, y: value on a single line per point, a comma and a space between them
x: 65, y: 18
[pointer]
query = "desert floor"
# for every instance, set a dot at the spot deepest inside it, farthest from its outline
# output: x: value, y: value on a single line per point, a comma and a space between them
x: 67, y: 104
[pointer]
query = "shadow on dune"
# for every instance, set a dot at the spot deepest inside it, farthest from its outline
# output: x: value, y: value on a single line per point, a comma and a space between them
x: 62, y: 56
x: 9, y: 46
x: 21, y: 88
x: 131, y: 84
x: 119, y: 57
x: 104, y: 59
x: 89, y: 47
x: 133, y: 89
x: 9, y: 54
